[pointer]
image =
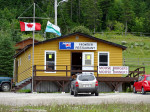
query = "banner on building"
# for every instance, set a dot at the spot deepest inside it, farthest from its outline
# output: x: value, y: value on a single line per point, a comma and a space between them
x: 113, y: 70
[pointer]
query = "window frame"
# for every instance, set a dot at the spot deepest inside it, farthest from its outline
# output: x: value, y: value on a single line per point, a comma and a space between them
x: 103, y: 52
x: 45, y: 61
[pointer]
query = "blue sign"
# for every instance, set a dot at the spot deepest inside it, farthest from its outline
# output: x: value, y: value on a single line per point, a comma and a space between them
x: 66, y: 45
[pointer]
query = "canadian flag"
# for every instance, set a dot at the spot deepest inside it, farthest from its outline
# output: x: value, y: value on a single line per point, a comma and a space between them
x: 29, y: 26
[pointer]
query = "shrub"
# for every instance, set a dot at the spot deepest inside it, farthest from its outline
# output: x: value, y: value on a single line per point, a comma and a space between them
x: 81, y: 29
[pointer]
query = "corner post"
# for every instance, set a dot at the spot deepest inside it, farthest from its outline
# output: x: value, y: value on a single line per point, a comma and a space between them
x: 97, y: 71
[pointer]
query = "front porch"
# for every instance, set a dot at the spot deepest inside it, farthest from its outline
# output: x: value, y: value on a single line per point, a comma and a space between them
x: 63, y: 81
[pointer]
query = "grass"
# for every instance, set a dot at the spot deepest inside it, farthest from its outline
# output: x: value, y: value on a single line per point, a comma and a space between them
x: 25, y: 91
x: 116, y: 107
x: 138, y: 49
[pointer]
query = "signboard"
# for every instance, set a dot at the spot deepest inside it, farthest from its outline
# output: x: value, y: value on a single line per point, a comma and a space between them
x: 113, y: 70
x: 78, y: 45
x: 66, y: 45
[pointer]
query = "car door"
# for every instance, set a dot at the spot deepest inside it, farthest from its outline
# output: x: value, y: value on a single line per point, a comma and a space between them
x: 140, y: 83
x: 73, y: 84
x: 137, y: 84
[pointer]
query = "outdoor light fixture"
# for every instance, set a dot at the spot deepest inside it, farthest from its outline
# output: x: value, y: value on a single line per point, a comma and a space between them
x: 55, y: 7
x: 77, y: 37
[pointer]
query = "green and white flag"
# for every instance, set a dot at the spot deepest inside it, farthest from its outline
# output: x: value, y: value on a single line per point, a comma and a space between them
x: 52, y: 28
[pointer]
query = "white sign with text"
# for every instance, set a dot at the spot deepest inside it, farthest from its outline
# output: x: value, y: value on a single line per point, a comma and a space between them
x: 113, y: 70
x: 85, y: 45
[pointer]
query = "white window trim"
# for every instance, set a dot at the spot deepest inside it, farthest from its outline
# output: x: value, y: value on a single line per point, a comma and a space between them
x: 103, y: 52
x: 45, y: 61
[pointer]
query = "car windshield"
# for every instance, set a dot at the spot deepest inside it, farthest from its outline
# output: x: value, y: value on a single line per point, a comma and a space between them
x: 148, y: 78
x: 86, y: 77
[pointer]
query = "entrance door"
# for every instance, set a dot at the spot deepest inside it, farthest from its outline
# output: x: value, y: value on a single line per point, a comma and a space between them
x: 76, y: 62
x: 88, y: 61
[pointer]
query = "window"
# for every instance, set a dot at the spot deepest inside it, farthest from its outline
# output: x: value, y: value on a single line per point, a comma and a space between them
x: 50, y: 60
x: 29, y: 57
x: 103, y: 59
x: 148, y: 78
x: 86, y: 77
x: 88, y: 59
x: 140, y: 78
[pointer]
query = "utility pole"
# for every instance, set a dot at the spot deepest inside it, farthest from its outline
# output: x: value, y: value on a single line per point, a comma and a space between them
x: 32, y: 85
x: 55, y: 8
x: 33, y: 48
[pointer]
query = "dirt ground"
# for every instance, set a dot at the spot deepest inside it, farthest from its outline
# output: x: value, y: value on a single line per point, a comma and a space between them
x: 22, y: 99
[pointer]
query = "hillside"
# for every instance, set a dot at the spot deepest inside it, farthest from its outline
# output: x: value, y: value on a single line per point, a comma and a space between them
x: 137, y: 53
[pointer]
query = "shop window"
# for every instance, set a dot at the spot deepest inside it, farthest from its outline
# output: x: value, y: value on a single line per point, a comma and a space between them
x: 50, y: 61
x: 88, y: 60
x: 103, y: 58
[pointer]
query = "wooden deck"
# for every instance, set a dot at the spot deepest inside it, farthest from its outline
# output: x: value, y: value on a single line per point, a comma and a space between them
x: 62, y: 81
x: 112, y: 82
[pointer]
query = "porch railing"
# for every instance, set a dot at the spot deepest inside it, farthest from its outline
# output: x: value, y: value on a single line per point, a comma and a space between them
x: 63, y: 68
x: 68, y: 68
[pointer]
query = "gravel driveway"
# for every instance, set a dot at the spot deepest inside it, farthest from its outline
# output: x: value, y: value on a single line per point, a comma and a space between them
x: 21, y: 99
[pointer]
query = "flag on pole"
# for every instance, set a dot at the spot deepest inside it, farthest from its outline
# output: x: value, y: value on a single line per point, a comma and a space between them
x: 30, y: 26
x: 52, y: 28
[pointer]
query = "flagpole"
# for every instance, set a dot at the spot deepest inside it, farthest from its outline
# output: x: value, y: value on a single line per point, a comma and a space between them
x: 55, y: 8
x: 33, y: 50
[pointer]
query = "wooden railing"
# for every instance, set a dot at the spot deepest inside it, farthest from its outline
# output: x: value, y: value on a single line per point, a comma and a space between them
x: 137, y: 72
x: 67, y: 68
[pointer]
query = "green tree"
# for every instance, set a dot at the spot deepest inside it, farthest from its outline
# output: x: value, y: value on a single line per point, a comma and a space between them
x: 92, y: 14
x: 128, y: 13
x: 81, y: 29
x: 104, y: 6
x: 7, y: 51
x: 139, y: 25
x: 147, y: 21
x: 118, y: 27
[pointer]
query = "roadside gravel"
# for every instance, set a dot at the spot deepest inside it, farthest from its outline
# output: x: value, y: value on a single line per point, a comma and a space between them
x: 22, y: 99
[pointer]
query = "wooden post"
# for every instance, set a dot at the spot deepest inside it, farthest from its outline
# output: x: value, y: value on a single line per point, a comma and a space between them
x: 97, y: 71
x: 63, y: 87
x: 66, y: 71
x: 34, y: 85
x: 34, y: 70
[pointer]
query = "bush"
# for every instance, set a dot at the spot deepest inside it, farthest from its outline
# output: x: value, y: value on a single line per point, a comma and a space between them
x: 81, y: 29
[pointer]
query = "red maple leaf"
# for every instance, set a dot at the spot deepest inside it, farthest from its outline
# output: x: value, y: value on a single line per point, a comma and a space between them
x: 29, y: 25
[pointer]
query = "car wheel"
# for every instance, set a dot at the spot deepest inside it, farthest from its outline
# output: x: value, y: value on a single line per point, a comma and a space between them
x: 143, y: 91
x: 71, y: 92
x: 134, y: 90
x: 96, y: 94
x: 5, y: 87
x: 75, y: 93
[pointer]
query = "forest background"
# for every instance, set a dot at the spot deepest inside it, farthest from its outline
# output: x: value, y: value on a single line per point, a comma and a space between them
x: 94, y: 17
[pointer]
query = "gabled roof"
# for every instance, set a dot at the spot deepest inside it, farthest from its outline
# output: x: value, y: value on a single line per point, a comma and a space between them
x: 26, y: 40
x: 23, y: 43
x: 76, y: 33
